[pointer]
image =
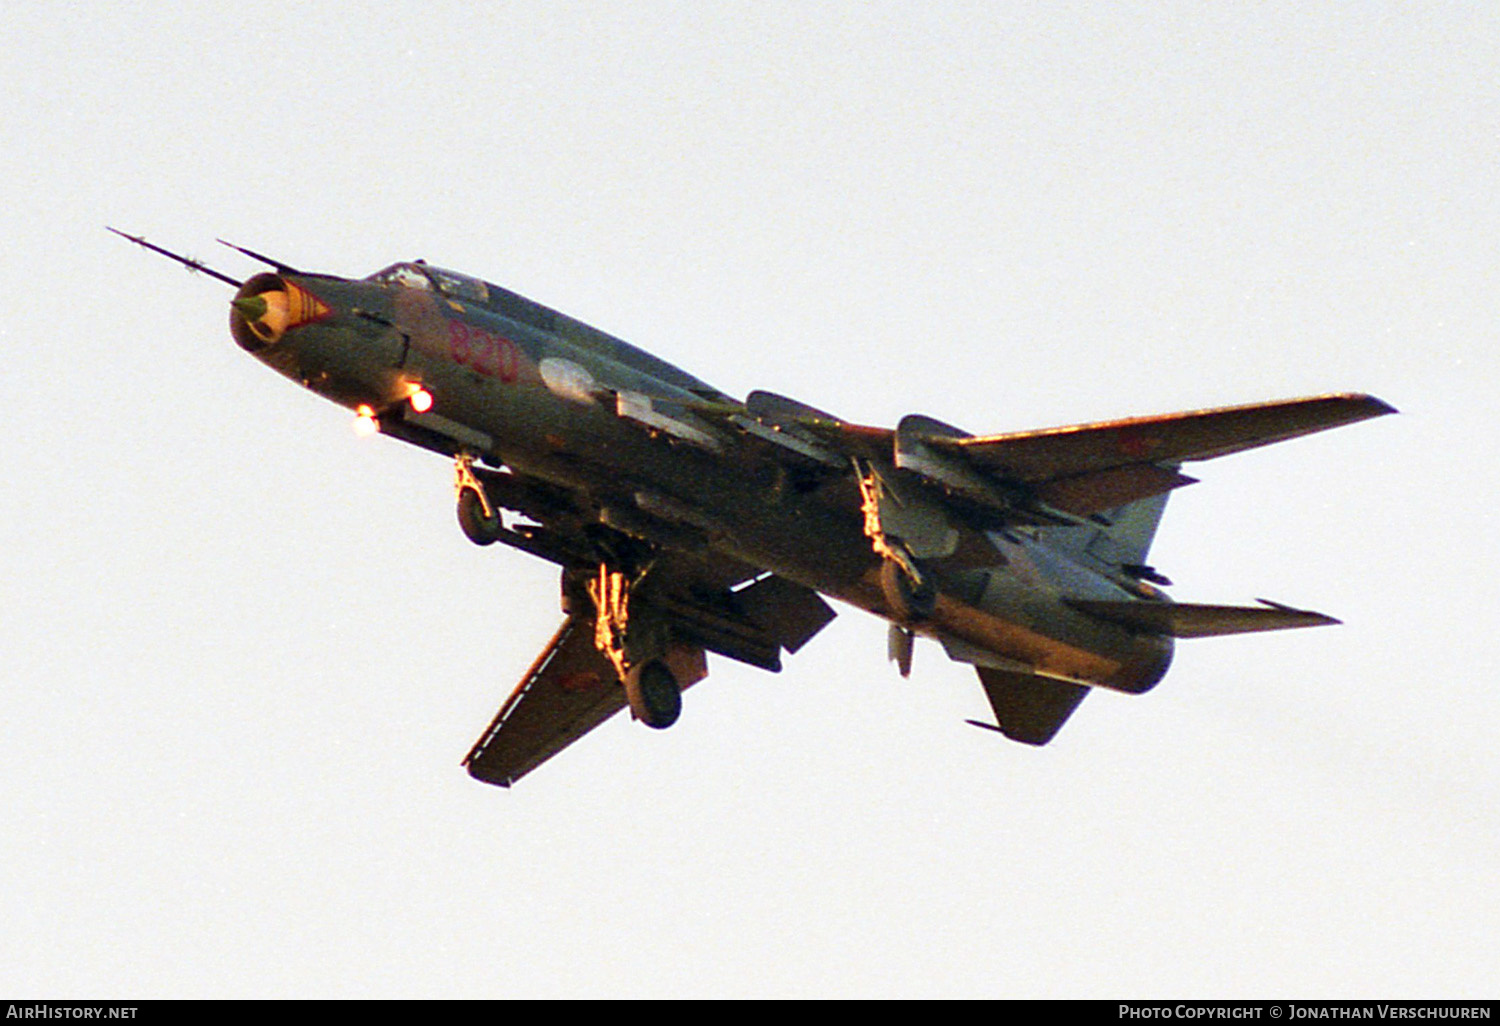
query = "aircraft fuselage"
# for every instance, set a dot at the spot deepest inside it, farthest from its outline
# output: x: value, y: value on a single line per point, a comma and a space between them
x: 641, y: 445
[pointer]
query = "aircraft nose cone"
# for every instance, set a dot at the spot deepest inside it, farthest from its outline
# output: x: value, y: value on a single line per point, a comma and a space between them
x: 268, y: 306
x: 252, y: 308
x: 257, y: 314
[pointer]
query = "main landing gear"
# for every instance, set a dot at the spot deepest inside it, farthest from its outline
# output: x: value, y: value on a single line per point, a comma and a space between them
x: 655, y: 698
x: 631, y: 633
x: 633, y: 636
x: 909, y: 591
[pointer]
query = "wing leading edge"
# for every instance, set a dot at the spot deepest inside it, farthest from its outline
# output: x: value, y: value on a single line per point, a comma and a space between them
x: 1052, y: 454
x: 569, y: 690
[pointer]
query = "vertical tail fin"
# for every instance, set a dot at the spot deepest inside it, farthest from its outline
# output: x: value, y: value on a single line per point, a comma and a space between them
x: 1124, y: 540
x: 1132, y: 528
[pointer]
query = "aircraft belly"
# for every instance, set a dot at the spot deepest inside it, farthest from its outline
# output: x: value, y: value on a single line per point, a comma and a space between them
x: 1010, y: 618
x: 1041, y: 633
x: 616, y: 462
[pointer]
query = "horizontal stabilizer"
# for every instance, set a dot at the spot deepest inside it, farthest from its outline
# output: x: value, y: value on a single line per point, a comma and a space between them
x: 1179, y: 620
x: 1030, y: 709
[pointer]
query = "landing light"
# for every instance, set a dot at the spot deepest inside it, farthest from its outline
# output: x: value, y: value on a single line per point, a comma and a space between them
x: 421, y: 400
x: 365, y: 423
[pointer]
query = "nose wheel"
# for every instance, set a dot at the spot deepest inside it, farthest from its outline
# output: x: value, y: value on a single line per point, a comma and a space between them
x: 477, y: 516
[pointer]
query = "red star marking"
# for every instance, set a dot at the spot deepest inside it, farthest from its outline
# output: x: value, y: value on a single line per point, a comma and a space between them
x: 1134, y: 441
x: 584, y: 680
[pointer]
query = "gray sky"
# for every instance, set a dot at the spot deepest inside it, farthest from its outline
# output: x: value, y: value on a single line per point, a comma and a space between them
x: 246, y: 649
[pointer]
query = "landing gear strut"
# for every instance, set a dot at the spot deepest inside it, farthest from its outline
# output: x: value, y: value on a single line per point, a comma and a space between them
x: 633, y: 636
x: 910, y: 593
x: 477, y: 516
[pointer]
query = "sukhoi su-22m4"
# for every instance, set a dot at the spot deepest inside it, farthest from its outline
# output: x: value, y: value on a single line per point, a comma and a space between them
x: 686, y: 521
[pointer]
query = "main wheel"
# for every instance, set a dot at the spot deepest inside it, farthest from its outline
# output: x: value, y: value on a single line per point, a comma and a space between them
x: 909, y: 601
x: 480, y: 529
x: 655, y: 698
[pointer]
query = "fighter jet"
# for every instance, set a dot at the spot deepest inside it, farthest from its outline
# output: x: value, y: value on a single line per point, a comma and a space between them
x: 686, y: 521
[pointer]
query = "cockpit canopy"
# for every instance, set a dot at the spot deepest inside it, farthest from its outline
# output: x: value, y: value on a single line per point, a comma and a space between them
x: 462, y: 288
x: 419, y: 275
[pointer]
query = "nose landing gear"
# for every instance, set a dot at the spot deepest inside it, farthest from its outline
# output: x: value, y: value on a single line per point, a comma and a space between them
x: 477, y: 516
